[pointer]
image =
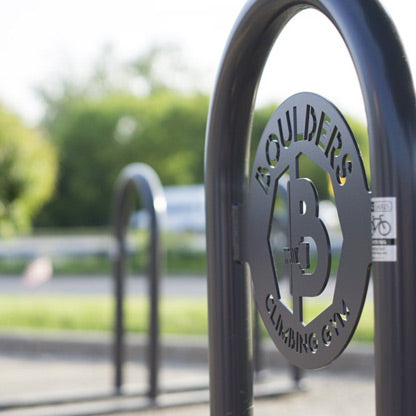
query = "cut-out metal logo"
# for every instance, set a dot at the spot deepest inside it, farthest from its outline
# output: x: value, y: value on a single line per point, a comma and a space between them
x: 308, y: 126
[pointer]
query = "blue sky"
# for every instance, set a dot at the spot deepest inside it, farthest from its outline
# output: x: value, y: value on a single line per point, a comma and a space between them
x: 41, y: 39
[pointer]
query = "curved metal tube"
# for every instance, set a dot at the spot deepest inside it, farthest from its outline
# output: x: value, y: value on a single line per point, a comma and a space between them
x: 389, y: 100
x: 144, y: 180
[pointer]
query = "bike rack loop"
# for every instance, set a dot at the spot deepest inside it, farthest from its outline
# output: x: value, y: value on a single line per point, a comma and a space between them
x: 143, y: 179
x: 388, y: 94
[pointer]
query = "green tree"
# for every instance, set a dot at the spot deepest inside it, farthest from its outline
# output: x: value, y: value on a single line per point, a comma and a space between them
x: 28, y: 166
x: 97, y: 137
x: 99, y: 126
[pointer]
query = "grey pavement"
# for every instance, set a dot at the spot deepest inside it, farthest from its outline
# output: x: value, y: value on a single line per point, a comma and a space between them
x: 103, y: 284
x: 55, y: 366
x: 326, y: 393
x: 53, y: 245
x: 70, y: 245
x: 180, y: 285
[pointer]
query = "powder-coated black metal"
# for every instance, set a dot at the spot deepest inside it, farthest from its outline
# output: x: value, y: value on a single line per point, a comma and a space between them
x: 280, y: 221
x: 306, y: 125
x: 388, y: 93
x: 141, y: 178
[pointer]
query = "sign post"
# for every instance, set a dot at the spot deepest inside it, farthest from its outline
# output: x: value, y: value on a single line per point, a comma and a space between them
x: 389, y: 99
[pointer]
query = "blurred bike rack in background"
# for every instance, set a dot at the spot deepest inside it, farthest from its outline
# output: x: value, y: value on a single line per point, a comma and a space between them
x: 143, y: 179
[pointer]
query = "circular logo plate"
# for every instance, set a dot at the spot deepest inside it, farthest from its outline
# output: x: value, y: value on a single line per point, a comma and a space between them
x: 308, y: 126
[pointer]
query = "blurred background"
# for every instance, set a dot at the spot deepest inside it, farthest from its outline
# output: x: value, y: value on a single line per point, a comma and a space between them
x: 87, y: 87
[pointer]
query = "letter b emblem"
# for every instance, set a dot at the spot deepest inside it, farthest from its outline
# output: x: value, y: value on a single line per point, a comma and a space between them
x: 304, y: 222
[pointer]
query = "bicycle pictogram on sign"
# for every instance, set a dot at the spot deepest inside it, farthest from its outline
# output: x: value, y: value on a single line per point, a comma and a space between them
x: 380, y: 225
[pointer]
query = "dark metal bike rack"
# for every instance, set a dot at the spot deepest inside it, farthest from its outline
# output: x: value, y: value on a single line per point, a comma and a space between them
x: 388, y: 93
x: 142, y: 179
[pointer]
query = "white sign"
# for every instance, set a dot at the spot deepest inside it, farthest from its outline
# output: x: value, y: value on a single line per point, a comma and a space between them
x: 383, y: 229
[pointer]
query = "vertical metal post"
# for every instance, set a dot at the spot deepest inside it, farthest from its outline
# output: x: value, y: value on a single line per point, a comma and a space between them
x: 391, y: 111
x: 146, y: 182
x: 257, y: 350
x: 119, y: 351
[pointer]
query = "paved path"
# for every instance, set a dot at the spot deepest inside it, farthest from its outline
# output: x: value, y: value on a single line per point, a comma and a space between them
x: 103, y: 284
x: 50, y: 245
x: 327, y: 394
x: 70, y: 245
x: 184, y: 285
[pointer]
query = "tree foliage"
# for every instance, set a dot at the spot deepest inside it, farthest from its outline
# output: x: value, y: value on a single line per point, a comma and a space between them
x: 97, y: 137
x: 28, y: 166
x: 103, y: 124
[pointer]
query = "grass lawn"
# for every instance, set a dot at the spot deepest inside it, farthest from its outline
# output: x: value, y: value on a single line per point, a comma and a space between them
x: 95, y: 313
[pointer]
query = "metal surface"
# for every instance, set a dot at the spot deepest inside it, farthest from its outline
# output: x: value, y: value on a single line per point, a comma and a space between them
x: 278, y: 240
x: 308, y: 125
x: 389, y: 100
x: 140, y: 178
x: 279, y: 222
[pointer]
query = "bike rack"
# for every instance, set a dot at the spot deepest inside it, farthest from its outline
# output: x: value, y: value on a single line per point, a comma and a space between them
x: 388, y: 93
x: 140, y: 178
x: 143, y: 179
x: 147, y: 184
